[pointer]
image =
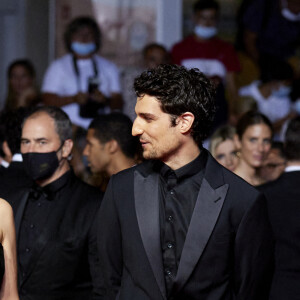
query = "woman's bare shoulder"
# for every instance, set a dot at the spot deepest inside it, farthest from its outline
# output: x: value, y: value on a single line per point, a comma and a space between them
x: 5, y: 210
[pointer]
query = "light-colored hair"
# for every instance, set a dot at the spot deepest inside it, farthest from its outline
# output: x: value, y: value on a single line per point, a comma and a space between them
x: 222, y: 134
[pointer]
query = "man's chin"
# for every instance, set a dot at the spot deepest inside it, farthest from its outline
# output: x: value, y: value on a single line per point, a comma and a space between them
x: 149, y: 155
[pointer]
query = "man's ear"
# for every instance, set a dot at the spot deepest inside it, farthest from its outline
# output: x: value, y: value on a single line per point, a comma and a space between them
x: 112, y: 146
x: 7, y: 152
x: 67, y: 148
x: 185, y: 122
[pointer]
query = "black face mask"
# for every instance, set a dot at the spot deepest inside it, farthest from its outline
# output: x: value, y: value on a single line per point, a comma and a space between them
x: 40, y: 165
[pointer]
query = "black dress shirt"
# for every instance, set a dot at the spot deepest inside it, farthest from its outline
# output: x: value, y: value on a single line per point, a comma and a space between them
x: 41, y: 201
x: 178, y: 194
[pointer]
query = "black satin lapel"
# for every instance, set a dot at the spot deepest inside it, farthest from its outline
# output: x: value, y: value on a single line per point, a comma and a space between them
x: 19, y: 212
x: 147, y: 211
x: 204, y: 218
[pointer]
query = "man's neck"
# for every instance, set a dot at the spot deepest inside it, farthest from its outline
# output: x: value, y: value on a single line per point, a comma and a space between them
x: 120, y: 163
x: 201, y: 40
x: 77, y: 56
x: 294, y: 163
x: 183, y: 156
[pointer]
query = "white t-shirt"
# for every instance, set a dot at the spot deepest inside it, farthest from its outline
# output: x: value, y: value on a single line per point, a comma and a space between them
x: 61, y: 79
x: 274, y: 108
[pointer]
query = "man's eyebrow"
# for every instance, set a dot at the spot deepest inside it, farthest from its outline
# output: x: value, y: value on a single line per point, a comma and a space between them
x: 37, y: 139
x: 147, y: 115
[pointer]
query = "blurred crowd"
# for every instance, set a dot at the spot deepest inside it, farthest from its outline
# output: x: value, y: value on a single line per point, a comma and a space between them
x: 257, y: 94
x: 260, y: 72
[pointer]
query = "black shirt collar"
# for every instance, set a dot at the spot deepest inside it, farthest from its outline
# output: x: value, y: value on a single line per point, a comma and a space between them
x: 52, y: 188
x: 188, y: 170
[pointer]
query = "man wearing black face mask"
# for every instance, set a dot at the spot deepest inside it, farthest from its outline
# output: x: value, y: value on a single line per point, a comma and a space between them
x: 54, y: 218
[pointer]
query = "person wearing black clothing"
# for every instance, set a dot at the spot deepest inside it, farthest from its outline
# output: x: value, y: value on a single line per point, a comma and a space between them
x: 14, y: 176
x: 283, y: 197
x: 179, y: 225
x: 56, y: 239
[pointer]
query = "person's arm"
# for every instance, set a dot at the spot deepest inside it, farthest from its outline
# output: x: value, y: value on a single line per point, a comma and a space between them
x: 110, y: 243
x: 253, y: 254
x: 95, y: 269
x: 55, y: 100
x: 115, y: 100
x: 9, y: 289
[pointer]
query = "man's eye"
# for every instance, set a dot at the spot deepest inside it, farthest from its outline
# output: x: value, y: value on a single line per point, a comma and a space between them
x: 148, y: 119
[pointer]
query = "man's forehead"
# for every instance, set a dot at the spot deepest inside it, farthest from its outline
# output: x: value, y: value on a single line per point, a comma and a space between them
x: 39, y: 115
x: 39, y: 122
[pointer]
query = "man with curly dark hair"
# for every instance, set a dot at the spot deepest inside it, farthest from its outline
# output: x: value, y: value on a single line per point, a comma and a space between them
x: 180, y: 226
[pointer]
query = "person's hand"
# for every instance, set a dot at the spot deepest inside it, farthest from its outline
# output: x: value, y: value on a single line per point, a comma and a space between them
x: 97, y: 96
x: 27, y: 97
x: 81, y: 98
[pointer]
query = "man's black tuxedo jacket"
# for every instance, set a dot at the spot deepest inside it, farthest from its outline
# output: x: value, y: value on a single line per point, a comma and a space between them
x: 283, y: 199
x: 64, y: 260
x: 228, y: 248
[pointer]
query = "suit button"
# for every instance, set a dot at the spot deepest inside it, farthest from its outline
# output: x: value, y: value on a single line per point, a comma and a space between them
x: 172, y: 192
x: 168, y: 272
x: 170, y: 218
x: 170, y: 246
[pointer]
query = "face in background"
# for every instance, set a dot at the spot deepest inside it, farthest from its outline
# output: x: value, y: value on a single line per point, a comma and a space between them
x: 255, y: 144
x: 273, y: 165
x: 154, y: 57
x: 84, y: 35
x: 20, y: 79
x: 226, y: 154
x: 39, y: 135
x: 206, y: 17
x: 97, y: 153
x: 159, y: 139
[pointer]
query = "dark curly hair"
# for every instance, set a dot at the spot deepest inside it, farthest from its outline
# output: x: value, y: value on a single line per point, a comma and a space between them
x: 76, y: 25
x: 116, y: 126
x: 181, y: 90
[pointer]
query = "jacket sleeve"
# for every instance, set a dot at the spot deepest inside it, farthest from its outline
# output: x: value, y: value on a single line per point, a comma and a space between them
x: 110, y: 243
x: 253, y: 253
x: 94, y: 264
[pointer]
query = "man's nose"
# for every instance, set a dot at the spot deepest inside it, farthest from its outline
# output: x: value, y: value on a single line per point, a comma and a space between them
x: 260, y: 147
x: 136, y: 128
x: 86, y: 150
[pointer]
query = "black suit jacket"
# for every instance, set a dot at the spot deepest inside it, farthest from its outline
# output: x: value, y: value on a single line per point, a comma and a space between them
x: 64, y: 260
x: 283, y: 198
x: 227, y: 252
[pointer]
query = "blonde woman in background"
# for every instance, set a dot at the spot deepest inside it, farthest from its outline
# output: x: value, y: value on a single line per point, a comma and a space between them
x: 223, y: 147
